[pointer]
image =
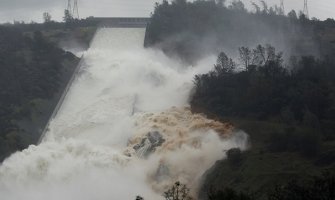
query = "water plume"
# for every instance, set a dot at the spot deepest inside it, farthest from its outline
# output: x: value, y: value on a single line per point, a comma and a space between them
x: 124, y: 129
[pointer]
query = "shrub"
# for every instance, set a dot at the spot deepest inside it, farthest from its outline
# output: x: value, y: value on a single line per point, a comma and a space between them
x: 234, y: 157
x: 304, y: 140
x: 228, y: 194
x: 177, y: 192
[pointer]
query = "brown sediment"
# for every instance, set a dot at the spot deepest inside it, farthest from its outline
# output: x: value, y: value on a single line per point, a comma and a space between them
x: 184, y: 132
x: 178, y: 123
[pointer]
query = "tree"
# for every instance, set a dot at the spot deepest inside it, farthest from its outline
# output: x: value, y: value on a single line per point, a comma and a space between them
x: 256, y: 7
x: 279, y: 10
x: 46, y: 17
x: 177, y: 192
x: 228, y: 194
x: 237, y: 5
x: 292, y: 15
x: 67, y: 16
x: 180, y: 2
x: 302, y: 16
x: 33, y: 70
x: 265, y: 7
x: 258, y: 55
x: 221, y: 2
x: 320, y: 188
x: 224, y: 64
x: 234, y: 157
x: 263, y: 55
x: 245, y: 56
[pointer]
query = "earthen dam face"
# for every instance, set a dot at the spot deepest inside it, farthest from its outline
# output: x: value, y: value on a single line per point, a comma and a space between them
x: 123, y: 128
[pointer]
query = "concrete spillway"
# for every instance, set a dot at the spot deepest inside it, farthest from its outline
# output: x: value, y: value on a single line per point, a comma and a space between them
x: 103, y: 22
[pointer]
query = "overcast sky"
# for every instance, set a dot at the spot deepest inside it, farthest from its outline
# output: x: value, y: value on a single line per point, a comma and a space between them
x: 31, y: 10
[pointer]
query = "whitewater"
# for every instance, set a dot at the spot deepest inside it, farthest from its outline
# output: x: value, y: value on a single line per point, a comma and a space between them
x: 124, y: 129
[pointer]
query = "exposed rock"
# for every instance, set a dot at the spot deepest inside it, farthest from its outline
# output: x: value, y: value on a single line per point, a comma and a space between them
x: 148, y: 144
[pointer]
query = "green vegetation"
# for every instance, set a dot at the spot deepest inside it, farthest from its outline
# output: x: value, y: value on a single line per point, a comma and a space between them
x: 286, y: 107
x: 318, y: 188
x: 234, y: 157
x: 177, y: 192
x: 229, y: 194
x: 288, y: 114
x: 262, y: 170
x: 33, y: 73
x: 266, y: 89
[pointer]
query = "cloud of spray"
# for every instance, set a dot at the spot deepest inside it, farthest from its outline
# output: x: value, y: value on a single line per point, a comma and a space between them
x: 228, y: 30
x: 73, y: 45
x: 122, y: 94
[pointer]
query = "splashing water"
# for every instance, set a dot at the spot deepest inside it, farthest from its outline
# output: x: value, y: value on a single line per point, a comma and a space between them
x: 124, y: 129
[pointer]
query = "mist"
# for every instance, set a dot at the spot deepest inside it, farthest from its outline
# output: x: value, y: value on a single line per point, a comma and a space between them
x: 124, y: 129
x: 208, y: 28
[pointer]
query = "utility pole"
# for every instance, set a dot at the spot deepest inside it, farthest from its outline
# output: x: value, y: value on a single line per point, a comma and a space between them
x: 282, y: 8
x: 306, y: 8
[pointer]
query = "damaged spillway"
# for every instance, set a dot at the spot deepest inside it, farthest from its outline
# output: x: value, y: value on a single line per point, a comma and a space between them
x: 124, y: 129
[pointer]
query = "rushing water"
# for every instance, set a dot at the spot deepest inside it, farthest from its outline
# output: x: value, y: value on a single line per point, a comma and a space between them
x: 123, y: 130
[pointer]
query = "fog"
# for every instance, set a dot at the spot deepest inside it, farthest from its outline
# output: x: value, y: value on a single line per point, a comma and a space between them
x: 227, y: 29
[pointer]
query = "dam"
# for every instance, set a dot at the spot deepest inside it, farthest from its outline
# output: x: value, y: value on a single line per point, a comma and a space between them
x: 125, y: 22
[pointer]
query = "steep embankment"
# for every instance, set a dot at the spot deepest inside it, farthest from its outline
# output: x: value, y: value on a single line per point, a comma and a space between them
x: 34, y: 71
x: 289, y: 117
x: 259, y: 170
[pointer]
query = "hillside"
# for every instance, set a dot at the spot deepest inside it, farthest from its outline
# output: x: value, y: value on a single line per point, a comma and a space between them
x: 274, y: 79
x: 279, y: 88
x: 34, y: 71
x: 193, y: 30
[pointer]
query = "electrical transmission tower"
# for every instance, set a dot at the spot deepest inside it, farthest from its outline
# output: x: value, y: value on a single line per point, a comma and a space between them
x: 282, y: 8
x: 69, y: 6
x: 72, y: 7
x: 306, y: 8
x: 75, y: 11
